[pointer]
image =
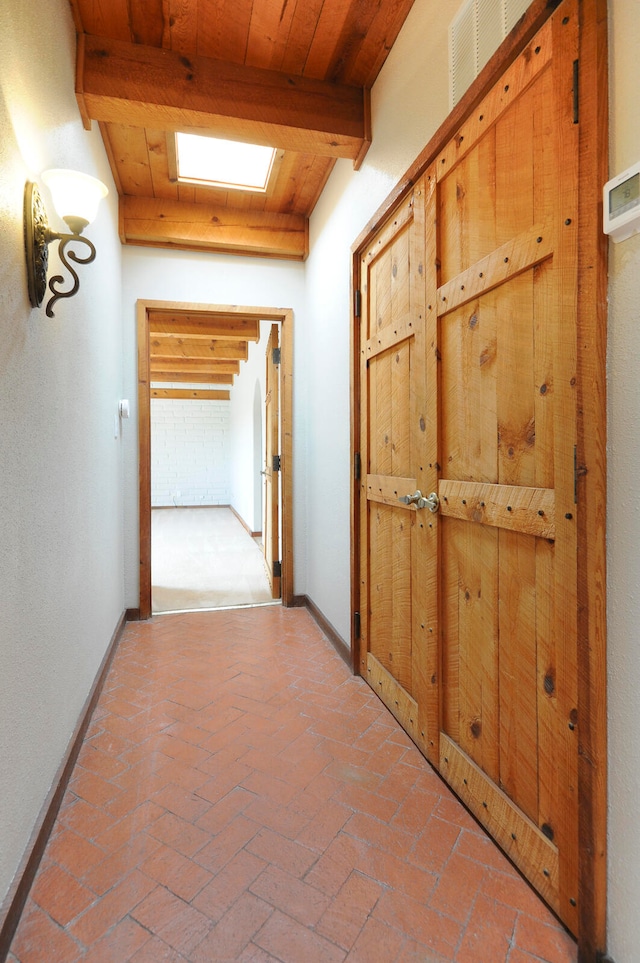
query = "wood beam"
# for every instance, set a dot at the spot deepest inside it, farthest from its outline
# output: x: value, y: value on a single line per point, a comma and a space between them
x: 195, y: 394
x: 163, y: 346
x: 174, y: 324
x: 143, y: 86
x: 205, y: 227
x: 185, y: 366
x: 184, y: 377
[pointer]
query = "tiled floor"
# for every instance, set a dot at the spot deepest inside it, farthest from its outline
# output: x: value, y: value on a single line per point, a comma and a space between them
x: 240, y: 796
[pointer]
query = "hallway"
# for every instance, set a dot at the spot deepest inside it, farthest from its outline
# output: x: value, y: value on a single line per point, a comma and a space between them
x: 240, y: 796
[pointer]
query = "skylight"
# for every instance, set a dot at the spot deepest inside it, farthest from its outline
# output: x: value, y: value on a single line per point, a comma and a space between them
x: 223, y: 163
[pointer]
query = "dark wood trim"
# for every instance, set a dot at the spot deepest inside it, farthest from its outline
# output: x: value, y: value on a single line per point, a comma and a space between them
x: 16, y: 898
x: 592, y: 483
x: 339, y: 644
x: 132, y: 615
x: 243, y: 523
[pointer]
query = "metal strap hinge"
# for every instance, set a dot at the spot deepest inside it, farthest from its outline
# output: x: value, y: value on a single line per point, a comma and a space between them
x: 276, y: 355
x: 277, y: 569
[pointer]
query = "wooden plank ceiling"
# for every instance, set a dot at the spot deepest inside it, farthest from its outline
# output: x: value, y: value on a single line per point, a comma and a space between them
x: 292, y: 74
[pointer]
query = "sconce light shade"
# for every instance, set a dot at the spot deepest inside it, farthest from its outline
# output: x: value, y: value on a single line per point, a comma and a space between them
x: 76, y: 197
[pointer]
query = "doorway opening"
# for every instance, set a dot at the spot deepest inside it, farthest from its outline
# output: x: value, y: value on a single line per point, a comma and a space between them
x: 177, y: 343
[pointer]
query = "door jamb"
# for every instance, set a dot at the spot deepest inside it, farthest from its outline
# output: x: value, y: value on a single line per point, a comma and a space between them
x: 283, y: 315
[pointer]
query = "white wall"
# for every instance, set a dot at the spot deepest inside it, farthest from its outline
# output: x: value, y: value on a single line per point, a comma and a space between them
x: 623, y: 519
x: 61, y: 533
x: 156, y: 274
x: 190, y: 452
x: 248, y: 432
x: 410, y: 100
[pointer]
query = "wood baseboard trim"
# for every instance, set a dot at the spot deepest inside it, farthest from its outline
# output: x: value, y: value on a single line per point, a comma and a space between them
x: 243, y: 523
x: 15, y: 900
x: 339, y: 644
x: 132, y: 615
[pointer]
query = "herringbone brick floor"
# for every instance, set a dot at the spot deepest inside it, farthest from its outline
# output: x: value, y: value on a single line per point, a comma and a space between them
x: 241, y: 797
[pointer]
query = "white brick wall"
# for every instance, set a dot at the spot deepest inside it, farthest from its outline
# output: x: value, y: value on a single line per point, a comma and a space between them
x: 189, y: 452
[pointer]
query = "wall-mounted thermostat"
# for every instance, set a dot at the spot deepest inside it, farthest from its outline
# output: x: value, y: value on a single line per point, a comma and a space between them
x: 622, y: 204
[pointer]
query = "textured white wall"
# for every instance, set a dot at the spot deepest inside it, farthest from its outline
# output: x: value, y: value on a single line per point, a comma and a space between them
x: 61, y: 533
x: 409, y: 101
x: 155, y: 274
x: 623, y: 518
x: 189, y: 452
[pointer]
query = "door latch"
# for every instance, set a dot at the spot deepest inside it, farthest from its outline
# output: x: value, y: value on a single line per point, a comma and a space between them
x: 432, y: 502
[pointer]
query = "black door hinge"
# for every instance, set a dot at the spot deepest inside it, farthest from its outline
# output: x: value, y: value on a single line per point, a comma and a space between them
x: 356, y: 625
x: 357, y: 465
x: 357, y: 303
x: 276, y: 463
x: 576, y: 92
x: 276, y: 356
x: 277, y: 569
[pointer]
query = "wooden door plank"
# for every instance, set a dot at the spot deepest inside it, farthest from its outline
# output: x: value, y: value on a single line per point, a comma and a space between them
x: 516, y: 255
x: 517, y: 508
x: 520, y: 838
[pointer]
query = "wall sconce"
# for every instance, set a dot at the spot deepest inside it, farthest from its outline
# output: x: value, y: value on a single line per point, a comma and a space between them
x: 76, y: 197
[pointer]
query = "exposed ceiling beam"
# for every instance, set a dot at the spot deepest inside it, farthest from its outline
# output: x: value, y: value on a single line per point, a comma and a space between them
x: 143, y: 86
x: 205, y: 227
x: 198, y: 394
x: 178, y: 347
x: 212, y: 368
x: 184, y: 377
x: 227, y: 327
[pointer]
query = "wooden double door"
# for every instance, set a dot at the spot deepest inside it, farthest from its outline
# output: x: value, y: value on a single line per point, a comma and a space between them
x: 467, y: 514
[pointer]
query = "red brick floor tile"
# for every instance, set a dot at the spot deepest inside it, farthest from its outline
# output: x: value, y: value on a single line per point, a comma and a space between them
x: 245, y: 799
x: 457, y: 888
x: 379, y: 834
x: 93, y: 789
x: 347, y: 914
x: 61, y: 895
x: 413, y: 918
x: 321, y: 828
x: 291, y: 942
x: 39, y: 938
x: 227, y: 843
x: 435, y: 844
x: 121, y: 943
x: 86, y: 820
x: 488, y: 934
x: 179, y: 874
x: 113, y: 907
x: 157, y: 951
x: 228, y: 885
x: 187, y: 804
x: 551, y: 943
x: 76, y: 854
x: 302, y: 902
x: 102, y: 877
x: 173, y: 920
x: 288, y: 855
x: 377, y: 943
x: 179, y: 833
x: 235, y: 930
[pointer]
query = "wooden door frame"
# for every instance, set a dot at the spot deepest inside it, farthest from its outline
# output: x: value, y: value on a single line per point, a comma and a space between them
x: 285, y: 317
x: 591, y: 408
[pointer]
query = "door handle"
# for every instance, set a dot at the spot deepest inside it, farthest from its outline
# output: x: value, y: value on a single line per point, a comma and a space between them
x: 432, y: 502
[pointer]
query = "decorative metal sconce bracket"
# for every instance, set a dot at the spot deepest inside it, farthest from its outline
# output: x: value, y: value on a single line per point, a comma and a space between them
x: 37, y: 237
